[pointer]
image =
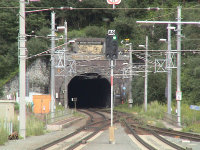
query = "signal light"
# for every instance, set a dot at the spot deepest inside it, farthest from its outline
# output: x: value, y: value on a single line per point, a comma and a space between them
x: 111, y: 47
x: 114, y: 37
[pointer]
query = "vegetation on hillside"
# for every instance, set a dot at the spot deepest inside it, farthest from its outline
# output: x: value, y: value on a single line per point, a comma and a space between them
x: 91, y: 18
x: 155, y: 114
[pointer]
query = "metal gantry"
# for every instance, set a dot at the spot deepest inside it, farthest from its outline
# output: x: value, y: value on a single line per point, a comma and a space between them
x: 178, y: 23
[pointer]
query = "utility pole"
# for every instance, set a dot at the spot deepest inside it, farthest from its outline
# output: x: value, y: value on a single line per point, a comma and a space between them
x: 146, y: 75
x: 169, y: 71
x: 178, y: 92
x: 22, y: 70
x: 66, y: 71
x: 52, y: 63
x: 130, y: 86
x: 178, y: 23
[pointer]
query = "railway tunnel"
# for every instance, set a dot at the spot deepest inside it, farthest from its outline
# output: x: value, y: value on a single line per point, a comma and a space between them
x: 91, y: 91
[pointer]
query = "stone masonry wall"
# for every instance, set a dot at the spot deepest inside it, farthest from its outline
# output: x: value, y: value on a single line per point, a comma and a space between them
x: 38, y: 79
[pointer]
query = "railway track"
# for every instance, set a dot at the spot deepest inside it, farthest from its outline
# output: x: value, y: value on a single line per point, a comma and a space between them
x: 97, y: 122
x: 100, y: 120
x: 128, y: 119
x: 155, y: 131
x: 170, y: 132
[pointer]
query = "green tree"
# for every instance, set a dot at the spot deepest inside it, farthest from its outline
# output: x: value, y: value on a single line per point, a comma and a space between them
x: 37, y: 45
x: 95, y: 32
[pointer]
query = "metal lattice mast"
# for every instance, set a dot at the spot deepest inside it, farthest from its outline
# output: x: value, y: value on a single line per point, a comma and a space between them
x: 178, y: 23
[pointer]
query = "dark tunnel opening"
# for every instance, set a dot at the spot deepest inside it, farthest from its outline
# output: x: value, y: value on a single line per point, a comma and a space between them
x: 91, y: 92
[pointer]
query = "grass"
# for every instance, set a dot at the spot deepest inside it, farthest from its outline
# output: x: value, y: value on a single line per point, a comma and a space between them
x: 35, y: 126
x: 3, y: 133
x: 190, y: 118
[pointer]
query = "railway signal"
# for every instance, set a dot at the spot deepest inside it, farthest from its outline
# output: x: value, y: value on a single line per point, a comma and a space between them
x: 111, y: 47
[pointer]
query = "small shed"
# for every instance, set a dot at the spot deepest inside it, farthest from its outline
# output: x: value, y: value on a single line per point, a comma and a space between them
x: 41, y: 103
x: 7, y: 109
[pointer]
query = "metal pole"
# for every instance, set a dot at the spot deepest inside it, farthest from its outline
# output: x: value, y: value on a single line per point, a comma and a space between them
x: 75, y: 105
x: 22, y: 70
x: 130, y: 86
x: 111, y: 81
x: 169, y: 71
x: 52, y: 63
x: 146, y: 75
x: 179, y: 64
x: 111, y: 129
x: 178, y: 22
x: 66, y: 71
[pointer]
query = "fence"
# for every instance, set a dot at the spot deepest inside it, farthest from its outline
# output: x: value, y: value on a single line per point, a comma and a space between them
x: 58, y: 115
x: 8, y: 126
x: 171, y: 119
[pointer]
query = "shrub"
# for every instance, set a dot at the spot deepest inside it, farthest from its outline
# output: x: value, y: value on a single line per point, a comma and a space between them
x: 34, y: 126
x: 95, y: 31
x: 15, y: 124
x: 155, y: 110
x: 16, y: 106
x: 3, y: 133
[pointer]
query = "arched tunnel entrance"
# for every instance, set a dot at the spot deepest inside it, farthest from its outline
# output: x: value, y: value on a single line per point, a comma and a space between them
x: 91, y: 91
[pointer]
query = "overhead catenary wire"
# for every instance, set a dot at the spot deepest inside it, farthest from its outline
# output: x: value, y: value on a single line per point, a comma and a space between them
x: 51, y: 8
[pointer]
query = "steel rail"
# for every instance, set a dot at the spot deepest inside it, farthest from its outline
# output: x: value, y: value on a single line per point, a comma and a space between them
x: 138, y: 138
x: 153, y: 133
x: 191, y: 136
x: 167, y: 142
x: 133, y: 132
x: 89, y: 136
x: 67, y: 136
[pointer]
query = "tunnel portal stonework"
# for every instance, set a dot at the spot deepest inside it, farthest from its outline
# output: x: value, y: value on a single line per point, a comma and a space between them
x: 85, y: 56
x: 89, y: 57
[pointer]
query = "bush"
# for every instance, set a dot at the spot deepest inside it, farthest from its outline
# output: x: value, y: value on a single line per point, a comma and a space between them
x: 34, y: 126
x: 76, y: 34
x: 60, y: 108
x: 155, y: 110
x: 95, y: 32
x: 3, y: 133
x: 15, y: 124
x: 16, y: 106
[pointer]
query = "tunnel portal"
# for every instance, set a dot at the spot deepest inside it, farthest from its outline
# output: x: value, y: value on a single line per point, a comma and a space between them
x: 91, y: 91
